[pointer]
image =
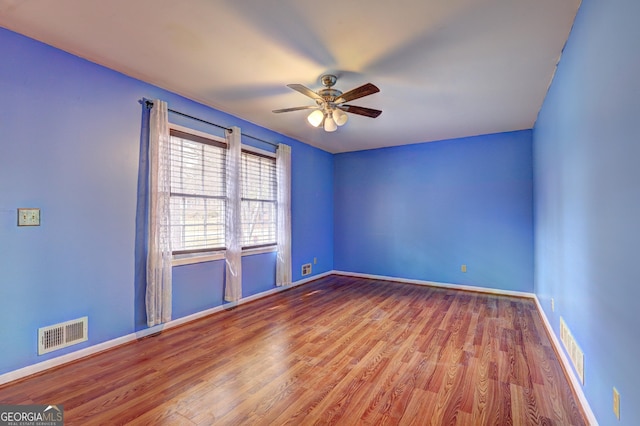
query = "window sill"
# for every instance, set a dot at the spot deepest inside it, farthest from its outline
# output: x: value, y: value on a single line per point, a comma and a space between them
x: 259, y: 250
x: 190, y: 259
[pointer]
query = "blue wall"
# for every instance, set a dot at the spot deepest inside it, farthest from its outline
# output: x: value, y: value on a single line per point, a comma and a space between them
x: 587, y: 197
x: 70, y: 136
x: 421, y: 211
x: 70, y: 141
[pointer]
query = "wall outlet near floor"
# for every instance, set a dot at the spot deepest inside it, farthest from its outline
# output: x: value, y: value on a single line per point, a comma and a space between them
x: 463, y: 268
x: 575, y: 353
x: 306, y: 269
x: 553, y: 305
x: 616, y: 403
x: 315, y: 260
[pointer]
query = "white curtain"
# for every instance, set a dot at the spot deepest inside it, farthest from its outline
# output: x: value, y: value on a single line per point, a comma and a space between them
x: 158, y: 294
x: 283, y: 174
x: 233, y: 228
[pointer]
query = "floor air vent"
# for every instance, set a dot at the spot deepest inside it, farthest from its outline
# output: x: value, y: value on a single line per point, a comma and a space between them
x: 61, y: 335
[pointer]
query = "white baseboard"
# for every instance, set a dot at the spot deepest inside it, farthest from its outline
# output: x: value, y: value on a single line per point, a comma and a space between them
x: 100, y: 347
x: 566, y: 364
x: 441, y: 285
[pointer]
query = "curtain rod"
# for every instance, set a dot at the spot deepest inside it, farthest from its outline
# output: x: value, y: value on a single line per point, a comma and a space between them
x: 149, y: 103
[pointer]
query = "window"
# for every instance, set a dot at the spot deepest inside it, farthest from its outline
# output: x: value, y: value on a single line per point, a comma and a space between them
x: 198, y: 193
x: 258, y: 197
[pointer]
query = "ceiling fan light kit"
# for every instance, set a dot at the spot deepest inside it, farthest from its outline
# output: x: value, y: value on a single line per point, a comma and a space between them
x: 315, y: 118
x: 329, y: 124
x: 340, y: 117
x: 330, y: 110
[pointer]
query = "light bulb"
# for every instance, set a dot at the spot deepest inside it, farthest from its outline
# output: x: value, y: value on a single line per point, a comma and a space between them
x: 340, y: 117
x: 329, y: 124
x: 315, y: 118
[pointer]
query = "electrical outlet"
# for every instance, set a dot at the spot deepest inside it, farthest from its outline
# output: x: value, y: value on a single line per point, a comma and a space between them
x: 616, y: 403
x: 553, y: 305
x: 315, y: 260
x: 463, y: 268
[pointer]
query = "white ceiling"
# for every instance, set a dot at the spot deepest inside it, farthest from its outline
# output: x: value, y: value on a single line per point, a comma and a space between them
x: 445, y: 68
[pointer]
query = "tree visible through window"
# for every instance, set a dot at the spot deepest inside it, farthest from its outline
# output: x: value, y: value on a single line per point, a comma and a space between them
x: 198, y: 195
x: 259, y: 197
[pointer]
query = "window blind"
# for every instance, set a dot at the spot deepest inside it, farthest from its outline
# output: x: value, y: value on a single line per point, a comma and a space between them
x: 258, y: 198
x: 197, y: 193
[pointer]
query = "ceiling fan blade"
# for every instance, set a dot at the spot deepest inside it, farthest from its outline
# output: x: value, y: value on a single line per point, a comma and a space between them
x: 305, y: 91
x: 358, y: 92
x: 367, y: 112
x: 294, y: 109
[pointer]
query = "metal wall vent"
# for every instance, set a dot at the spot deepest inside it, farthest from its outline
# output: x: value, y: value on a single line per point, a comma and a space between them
x: 61, y: 335
x: 306, y: 269
x: 575, y: 353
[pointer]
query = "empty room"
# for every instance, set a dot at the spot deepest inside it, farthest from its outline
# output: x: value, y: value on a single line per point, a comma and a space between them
x: 356, y: 212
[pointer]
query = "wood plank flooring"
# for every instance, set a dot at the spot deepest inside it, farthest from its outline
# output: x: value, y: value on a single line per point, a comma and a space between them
x: 339, y: 350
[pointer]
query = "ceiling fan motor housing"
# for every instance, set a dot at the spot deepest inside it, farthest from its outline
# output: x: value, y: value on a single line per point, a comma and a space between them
x: 329, y: 95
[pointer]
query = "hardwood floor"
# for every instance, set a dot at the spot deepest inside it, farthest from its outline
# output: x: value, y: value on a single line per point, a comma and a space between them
x: 336, y: 351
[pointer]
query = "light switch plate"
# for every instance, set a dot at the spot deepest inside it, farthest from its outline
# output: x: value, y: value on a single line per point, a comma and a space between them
x: 28, y: 217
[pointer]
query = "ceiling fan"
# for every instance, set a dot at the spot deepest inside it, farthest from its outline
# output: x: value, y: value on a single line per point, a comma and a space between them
x: 330, y: 105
